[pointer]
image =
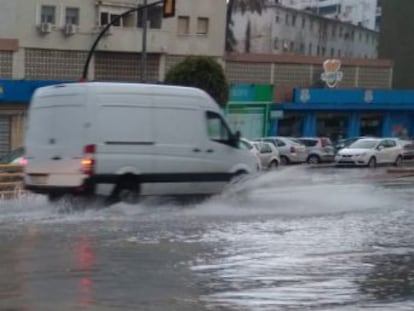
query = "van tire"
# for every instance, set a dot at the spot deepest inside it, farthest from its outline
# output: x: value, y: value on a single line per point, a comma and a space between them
x: 127, y: 190
x: 54, y: 197
x: 238, y: 177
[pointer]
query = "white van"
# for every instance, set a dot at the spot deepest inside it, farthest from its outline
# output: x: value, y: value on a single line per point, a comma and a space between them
x: 125, y: 140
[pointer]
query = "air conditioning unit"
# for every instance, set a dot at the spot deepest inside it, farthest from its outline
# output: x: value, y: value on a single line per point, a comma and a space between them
x: 45, y: 27
x: 70, y: 29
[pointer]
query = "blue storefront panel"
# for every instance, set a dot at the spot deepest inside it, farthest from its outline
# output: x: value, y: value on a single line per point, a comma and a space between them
x: 21, y: 91
x: 387, y: 113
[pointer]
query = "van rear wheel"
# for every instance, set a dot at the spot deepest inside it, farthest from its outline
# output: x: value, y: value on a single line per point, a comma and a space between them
x: 127, y: 190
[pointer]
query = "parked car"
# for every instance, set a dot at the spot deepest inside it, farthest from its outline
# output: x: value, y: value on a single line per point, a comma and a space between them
x: 319, y: 149
x: 290, y: 149
x: 248, y: 145
x: 268, y: 154
x: 408, y: 148
x: 371, y: 152
x: 345, y: 142
x: 16, y: 156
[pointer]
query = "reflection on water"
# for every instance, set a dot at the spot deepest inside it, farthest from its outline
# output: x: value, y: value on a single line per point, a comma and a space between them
x: 294, y: 239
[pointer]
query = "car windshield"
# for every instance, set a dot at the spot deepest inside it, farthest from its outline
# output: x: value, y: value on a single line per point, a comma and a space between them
x: 363, y: 144
x: 245, y: 145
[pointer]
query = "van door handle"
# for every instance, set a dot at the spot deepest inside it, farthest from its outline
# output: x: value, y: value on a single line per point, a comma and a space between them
x: 209, y: 150
x: 56, y: 158
x: 196, y: 150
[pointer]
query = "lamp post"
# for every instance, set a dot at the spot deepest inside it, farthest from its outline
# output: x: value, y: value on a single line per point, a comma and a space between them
x: 144, y: 43
x: 168, y: 10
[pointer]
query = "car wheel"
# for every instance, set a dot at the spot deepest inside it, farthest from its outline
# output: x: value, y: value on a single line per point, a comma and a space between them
x: 284, y: 160
x: 372, y: 163
x: 273, y: 165
x: 313, y: 159
x: 398, y: 161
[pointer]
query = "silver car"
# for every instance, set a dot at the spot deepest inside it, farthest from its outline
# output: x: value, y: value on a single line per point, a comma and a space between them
x: 290, y: 149
x: 320, y: 149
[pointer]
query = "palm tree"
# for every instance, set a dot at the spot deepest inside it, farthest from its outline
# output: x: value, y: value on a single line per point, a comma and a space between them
x: 244, y: 6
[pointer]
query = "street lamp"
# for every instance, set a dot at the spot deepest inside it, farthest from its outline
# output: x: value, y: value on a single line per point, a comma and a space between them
x: 168, y: 11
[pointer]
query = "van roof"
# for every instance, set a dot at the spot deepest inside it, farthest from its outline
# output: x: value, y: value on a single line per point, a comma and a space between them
x: 117, y: 87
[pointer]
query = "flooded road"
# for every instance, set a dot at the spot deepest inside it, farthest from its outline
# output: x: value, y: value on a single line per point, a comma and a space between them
x: 294, y: 239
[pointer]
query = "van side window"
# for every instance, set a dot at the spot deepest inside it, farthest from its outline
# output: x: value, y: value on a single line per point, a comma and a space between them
x: 216, y: 128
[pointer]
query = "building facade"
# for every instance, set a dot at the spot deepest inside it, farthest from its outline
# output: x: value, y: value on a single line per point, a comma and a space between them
x: 282, y: 30
x: 357, y: 12
x: 46, y: 42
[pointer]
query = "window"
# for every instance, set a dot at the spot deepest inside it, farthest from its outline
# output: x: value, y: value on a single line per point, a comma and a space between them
x: 277, y: 17
x: 48, y: 14
x: 276, y: 43
x: 107, y: 17
x: 302, y: 48
x: 310, y: 48
x: 293, y: 20
x: 154, y: 17
x: 202, y: 25
x: 216, y: 128
x: 303, y: 23
x: 183, y: 25
x: 287, y: 19
x: 292, y: 46
x: 72, y: 16
x: 332, y: 52
x: 333, y: 31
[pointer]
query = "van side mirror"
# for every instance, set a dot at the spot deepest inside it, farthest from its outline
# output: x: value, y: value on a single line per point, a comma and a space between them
x: 235, y: 139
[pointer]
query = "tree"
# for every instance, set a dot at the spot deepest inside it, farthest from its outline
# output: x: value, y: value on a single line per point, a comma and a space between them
x: 396, y: 42
x: 201, y: 72
x: 243, y: 6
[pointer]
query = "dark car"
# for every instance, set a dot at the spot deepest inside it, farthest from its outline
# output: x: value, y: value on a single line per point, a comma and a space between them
x: 13, y: 157
x: 408, y: 149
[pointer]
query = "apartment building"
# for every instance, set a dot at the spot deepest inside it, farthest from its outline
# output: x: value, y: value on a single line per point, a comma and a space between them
x: 358, y: 12
x: 283, y: 30
x: 48, y: 40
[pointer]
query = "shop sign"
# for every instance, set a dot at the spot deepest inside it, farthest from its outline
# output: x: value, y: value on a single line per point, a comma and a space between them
x: 276, y: 114
x: 368, y: 96
x: 332, y: 74
x: 304, y: 95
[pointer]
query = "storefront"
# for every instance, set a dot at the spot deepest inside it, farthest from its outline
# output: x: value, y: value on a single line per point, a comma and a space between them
x: 15, y: 96
x: 347, y: 113
x: 248, y: 110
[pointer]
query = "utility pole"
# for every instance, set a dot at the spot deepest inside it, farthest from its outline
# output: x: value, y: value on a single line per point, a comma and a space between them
x: 144, y: 43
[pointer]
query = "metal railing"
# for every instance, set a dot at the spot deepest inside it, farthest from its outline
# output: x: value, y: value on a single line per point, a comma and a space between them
x: 11, y: 181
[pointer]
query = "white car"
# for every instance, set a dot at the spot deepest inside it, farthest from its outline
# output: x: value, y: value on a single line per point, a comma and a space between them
x: 371, y: 152
x: 268, y: 155
x: 248, y: 145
